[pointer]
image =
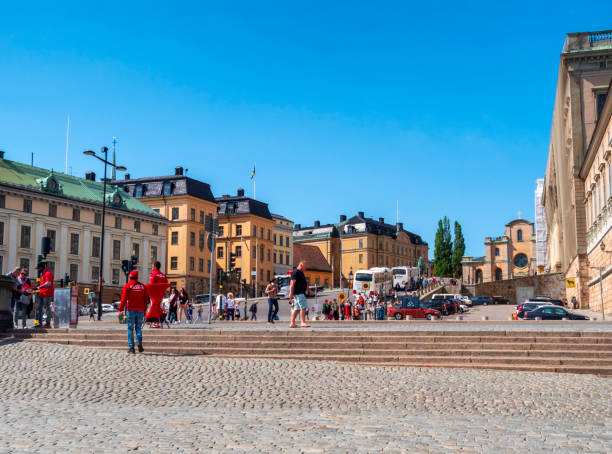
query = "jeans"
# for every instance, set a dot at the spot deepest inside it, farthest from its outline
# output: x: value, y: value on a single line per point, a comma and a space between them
x: 230, y: 313
x: 43, y: 303
x: 134, y: 320
x: 272, y: 309
x: 21, y: 312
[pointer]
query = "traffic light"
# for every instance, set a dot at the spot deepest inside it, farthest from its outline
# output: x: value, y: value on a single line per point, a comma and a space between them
x: 133, y: 262
x: 232, y: 261
x: 125, y: 266
x: 46, y: 246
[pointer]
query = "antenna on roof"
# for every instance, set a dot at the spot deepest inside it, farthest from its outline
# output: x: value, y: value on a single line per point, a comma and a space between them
x: 113, y: 170
x: 67, y: 143
x: 32, y: 159
x: 396, y: 212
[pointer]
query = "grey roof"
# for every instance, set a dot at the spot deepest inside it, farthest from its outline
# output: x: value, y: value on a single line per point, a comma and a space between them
x: 240, y: 205
x: 180, y: 185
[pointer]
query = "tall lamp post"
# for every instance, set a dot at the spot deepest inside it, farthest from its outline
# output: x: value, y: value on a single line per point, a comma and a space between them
x: 116, y: 167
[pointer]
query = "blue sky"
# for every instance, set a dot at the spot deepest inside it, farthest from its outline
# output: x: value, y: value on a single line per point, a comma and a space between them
x: 344, y: 106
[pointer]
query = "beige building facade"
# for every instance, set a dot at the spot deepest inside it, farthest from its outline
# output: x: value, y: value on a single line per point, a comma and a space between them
x: 282, y: 255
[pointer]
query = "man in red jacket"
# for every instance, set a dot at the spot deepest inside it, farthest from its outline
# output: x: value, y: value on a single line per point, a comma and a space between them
x: 157, y: 277
x: 45, y: 296
x: 134, y: 300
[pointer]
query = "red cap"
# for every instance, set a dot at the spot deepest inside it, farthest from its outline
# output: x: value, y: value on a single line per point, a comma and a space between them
x: 133, y: 274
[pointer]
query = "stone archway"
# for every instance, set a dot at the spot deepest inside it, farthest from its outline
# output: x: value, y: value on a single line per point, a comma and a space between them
x: 498, y: 274
x: 479, y: 276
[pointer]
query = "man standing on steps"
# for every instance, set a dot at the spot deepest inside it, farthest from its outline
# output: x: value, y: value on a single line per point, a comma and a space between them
x: 297, y: 295
x: 134, y: 300
x: 272, y: 293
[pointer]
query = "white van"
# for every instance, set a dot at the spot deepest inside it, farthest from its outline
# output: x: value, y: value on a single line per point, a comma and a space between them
x: 440, y: 296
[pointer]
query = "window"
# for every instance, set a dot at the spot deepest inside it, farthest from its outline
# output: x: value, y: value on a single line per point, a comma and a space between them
x: 98, y: 218
x: 268, y: 275
x: 268, y: 254
x: 326, y: 285
x: 73, y: 272
x: 521, y: 261
x: 24, y: 263
x: 153, y: 254
x: 1, y: 234
x: 208, y: 266
x: 74, y: 243
x: 192, y: 215
x: 380, y: 260
x: 136, y: 226
x: 52, y: 210
x: 192, y: 238
x: 155, y: 229
x: 117, y: 222
x: 261, y: 232
x: 274, y: 256
x: 280, y: 256
x: 156, y: 210
x: 220, y: 230
x: 360, y: 258
x: 254, y: 252
x: 115, y: 276
x: 138, y: 191
x: 360, y: 245
x: 601, y: 99
x: 286, y: 241
x: 2, y: 201
x: 268, y: 234
x: 238, y: 230
x: 27, y: 206
x: 287, y: 257
x: 175, y: 213
x: 519, y: 235
x: 76, y: 214
x: 174, y: 238
x: 116, y: 249
x: 95, y: 273
x: 275, y: 239
x: 238, y: 251
x: 167, y: 188
x: 51, y: 267
x: 254, y: 230
x: 261, y: 274
x: 201, y: 217
x: 26, y: 233
x: 261, y: 253
x: 498, y: 274
x: 496, y: 252
x: 220, y: 252
x: 95, y: 246
x: 201, y: 265
x: 173, y: 263
x: 136, y: 250
x: 191, y: 264
x: 201, y: 240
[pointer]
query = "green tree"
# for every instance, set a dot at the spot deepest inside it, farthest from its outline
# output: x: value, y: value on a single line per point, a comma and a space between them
x: 443, y: 249
x: 458, y: 251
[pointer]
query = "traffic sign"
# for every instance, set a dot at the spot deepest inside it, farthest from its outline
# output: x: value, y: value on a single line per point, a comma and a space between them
x: 570, y: 283
x: 341, y: 297
x: 253, y: 273
x: 86, y: 291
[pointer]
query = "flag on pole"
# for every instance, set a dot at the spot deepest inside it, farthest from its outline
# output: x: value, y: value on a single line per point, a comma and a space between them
x: 253, y: 173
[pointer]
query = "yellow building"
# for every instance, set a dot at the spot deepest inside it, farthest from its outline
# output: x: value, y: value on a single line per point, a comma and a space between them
x: 185, y: 202
x: 318, y: 271
x: 361, y: 242
x: 246, y: 227
x: 282, y: 255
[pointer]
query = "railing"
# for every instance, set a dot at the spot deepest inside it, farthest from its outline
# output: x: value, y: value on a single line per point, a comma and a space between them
x: 599, y: 38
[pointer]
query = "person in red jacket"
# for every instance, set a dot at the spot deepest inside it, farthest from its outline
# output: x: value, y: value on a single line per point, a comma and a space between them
x: 157, y: 277
x: 134, y: 300
x: 45, y: 296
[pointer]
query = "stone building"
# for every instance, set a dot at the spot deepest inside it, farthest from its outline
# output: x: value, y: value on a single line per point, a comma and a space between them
x: 282, y: 255
x: 185, y: 202
x: 540, y: 223
x: 37, y: 203
x: 361, y: 242
x: 508, y: 256
x: 585, y: 71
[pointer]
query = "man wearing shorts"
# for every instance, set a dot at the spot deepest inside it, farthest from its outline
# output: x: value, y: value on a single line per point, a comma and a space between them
x: 297, y: 295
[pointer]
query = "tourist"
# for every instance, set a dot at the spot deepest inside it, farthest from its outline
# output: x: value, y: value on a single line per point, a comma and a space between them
x: 231, y: 306
x: 253, y: 310
x: 272, y: 294
x: 297, y: 294
x: 22, y: 303
x: 92, y: 312
x: 173, y: 305
x: 45, y: 295
x: 183, y: 299
x: 134, y: 300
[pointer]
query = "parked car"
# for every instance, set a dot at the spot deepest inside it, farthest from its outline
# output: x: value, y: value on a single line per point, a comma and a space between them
x: 544, y: 299
x: 438, y: 305
x: 467, y: 299
x: 501, y: 300
x: 482, y: 300
x: 552, y: 312
x: 522, y: 308
x: 457, y: 296
x: 399, y: 311
x: 108, y: 308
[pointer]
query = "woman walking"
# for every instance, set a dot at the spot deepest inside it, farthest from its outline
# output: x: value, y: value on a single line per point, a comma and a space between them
x: 172, y: 305
x: 183, y: 300
x: 231, y: 305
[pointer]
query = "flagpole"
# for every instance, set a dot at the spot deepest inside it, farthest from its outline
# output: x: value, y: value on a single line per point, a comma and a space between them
x: 254, y: 182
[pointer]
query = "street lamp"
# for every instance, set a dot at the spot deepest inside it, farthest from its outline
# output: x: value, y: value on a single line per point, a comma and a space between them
x: 121, y: 169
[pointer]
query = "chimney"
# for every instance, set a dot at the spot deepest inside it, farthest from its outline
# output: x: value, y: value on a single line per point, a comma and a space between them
x: 400, y: 226
x: 361, y: 214
x: 317, y: 224
x: 342, y: 217
x: 127, y: 176
x: 240, y: 192
x: 1, y: 154
x: 297, y: 226
x: 91, y: 176
x: 381, y: 220
x: 178, y: 170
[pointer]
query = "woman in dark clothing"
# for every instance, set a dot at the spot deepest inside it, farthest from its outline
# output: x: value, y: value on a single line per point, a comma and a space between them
x: 183, y: 299
x: 173, y: 305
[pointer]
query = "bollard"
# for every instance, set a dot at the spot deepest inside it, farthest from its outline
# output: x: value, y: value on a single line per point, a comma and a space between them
x: 565, y: 318
x: 459, y: 317
x: 538, y: 318
x: 408, y: 317
x: 593, y: 319
x: 485, y: 317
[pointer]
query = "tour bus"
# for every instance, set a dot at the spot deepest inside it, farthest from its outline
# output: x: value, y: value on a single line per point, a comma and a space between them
x: 402, y: 275
x: 282, y: 282
x: 372, y: 280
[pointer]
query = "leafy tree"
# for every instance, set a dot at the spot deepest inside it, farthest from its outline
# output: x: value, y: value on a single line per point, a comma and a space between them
x: 443, y: 249
x: 458, y: 250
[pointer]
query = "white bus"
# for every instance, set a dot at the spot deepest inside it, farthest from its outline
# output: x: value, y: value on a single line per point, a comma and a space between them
x: 372, y: 280
x: 402, y: 275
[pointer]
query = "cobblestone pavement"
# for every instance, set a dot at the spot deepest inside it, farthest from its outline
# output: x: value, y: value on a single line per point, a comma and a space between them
x: 58, y: 398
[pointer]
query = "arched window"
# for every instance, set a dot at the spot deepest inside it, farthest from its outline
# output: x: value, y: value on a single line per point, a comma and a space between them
x: 479, y: 276
x: 519, y: 235
x: 498, y: 274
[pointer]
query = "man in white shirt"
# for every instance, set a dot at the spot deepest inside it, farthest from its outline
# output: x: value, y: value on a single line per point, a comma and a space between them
x: 221, y: 306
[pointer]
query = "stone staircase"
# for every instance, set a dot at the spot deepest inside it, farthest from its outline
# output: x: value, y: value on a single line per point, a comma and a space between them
x: 544, y: 351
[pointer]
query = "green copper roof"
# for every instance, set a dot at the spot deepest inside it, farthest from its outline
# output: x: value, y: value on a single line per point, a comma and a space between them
x: 36, y: 179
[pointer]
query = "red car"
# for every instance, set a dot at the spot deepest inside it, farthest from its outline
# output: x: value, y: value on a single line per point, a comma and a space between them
x: 399, y: 311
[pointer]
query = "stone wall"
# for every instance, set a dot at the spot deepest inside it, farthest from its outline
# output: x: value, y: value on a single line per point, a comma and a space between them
x: 544, y: 284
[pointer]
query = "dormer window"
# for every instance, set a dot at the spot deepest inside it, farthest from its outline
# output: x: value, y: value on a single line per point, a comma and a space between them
x: 167, y: 188
x: 138, y: 191
x: 49, y: 184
